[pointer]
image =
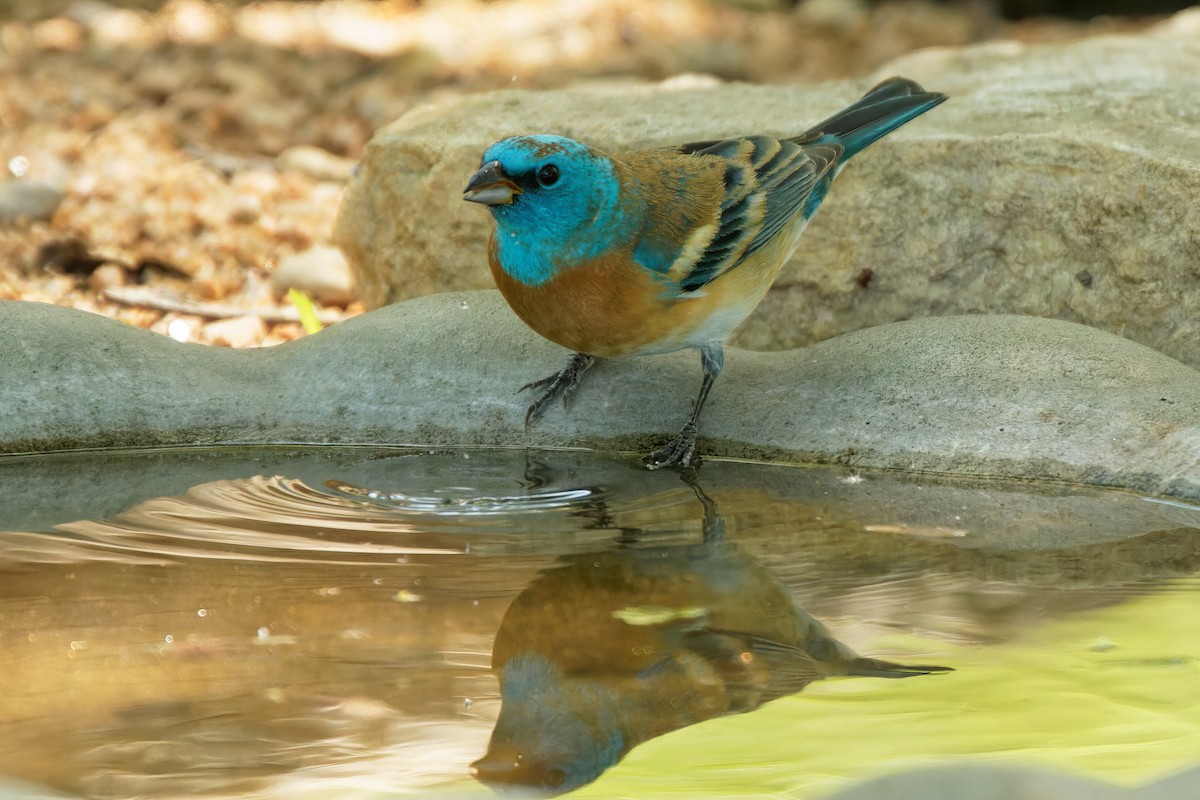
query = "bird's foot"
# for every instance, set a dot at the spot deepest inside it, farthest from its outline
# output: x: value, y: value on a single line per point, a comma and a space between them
x: 676, y: 453
x: 561, y: 384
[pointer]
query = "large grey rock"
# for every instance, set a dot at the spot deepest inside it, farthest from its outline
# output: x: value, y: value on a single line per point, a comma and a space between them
x: 974, y: 395
x: 988, y: 782
x: 1059, y: 181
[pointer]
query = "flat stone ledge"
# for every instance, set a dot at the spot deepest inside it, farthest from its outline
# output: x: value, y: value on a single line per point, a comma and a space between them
x: 1010, y: 396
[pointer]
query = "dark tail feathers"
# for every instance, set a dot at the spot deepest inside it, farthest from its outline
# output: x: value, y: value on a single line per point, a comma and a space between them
x: 879, y: 112
x: 875, y: 668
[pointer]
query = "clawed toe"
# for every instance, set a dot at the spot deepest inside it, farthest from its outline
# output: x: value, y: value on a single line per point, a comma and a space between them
x: 678, y: 452
x: 561, y: 384
x: 546, y: 381
x: 554, y: 387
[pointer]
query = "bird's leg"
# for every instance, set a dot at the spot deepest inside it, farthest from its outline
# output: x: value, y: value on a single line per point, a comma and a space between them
x: 714, y: 523
x: 561, y: 384
x: 678, y: 452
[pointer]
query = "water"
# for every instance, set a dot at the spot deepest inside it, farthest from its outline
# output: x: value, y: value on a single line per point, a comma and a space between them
x: 332, y: 622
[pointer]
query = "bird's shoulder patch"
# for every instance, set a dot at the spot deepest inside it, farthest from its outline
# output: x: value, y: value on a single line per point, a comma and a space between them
x: 678, y: 200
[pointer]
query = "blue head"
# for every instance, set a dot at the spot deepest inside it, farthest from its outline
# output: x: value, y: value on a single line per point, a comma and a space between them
x: 554, y: 201
x: 555, y: 733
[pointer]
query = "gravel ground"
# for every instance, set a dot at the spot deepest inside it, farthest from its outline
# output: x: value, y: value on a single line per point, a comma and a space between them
x: 163, y: 161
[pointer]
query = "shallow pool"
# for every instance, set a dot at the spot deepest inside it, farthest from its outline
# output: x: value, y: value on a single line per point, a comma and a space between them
x: 339, y: 622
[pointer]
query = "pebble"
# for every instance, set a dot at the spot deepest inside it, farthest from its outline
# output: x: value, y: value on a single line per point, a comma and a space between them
x: 28, y: 200
x: 107, y: 276
x: 245, y: 208
x: 321, y: 272
x: 235, y: 332
x: 316, y: 163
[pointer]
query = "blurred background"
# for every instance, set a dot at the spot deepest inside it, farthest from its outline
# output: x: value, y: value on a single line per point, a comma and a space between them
x: 176, y: 165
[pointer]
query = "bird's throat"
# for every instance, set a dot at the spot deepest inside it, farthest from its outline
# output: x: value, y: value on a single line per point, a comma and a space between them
x: 523, y: 259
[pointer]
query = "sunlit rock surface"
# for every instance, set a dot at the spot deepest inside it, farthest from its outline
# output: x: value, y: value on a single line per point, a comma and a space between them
x: 1058, y: 181
x: 978, y: 395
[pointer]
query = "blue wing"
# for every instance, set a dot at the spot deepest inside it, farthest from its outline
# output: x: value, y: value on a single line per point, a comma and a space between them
x: 767, y: 182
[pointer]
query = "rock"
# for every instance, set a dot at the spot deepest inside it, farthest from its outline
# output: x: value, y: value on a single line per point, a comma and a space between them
x: 1020, y: 397
x: 107, y: 276
x: 12, y: 789
x: 1181, y: 785
x: 235, y: 332
x: 28, y: 200
x: 318, y: 164
x: 987, y: 782
x: 244, y: 209
x: 1058, y: 181
x: 321, y: 272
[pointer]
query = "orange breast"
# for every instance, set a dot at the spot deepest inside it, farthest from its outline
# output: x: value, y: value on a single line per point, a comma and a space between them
x: 612, y: 307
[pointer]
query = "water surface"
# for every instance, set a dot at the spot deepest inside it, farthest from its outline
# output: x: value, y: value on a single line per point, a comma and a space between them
x: 325, y: 622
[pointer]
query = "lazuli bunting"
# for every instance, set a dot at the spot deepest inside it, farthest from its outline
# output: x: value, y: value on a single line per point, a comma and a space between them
x: 607, y: 650
x: 666, y: 249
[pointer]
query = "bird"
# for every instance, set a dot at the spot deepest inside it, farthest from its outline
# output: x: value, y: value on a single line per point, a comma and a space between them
x: 608, y: 650
x: 665, y: 249
x: 605, y: 650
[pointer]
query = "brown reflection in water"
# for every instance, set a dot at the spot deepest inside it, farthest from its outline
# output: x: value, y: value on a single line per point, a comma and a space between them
x: 261, y: 628
x: 212, y: 642
x: 215, y: 676
x: 609, y: 649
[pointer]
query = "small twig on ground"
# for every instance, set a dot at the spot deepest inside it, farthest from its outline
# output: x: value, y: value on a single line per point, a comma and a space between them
x: 149, y: 298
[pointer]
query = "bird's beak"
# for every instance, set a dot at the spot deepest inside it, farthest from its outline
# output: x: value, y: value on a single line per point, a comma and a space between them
x: 501, y: 766
x: 491, y: 186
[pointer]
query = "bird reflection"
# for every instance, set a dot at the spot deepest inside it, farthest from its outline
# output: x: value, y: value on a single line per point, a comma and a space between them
x: 610, y: 649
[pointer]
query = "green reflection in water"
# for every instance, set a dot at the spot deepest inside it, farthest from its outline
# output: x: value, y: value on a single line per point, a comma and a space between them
x: 1113, y: 694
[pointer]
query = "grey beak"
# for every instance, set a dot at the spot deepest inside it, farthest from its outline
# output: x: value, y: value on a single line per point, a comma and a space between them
x: 491, y: 186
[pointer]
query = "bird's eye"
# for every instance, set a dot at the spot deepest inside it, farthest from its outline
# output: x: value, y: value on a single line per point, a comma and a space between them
x: 554, y: 778
x: 547, y: 175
